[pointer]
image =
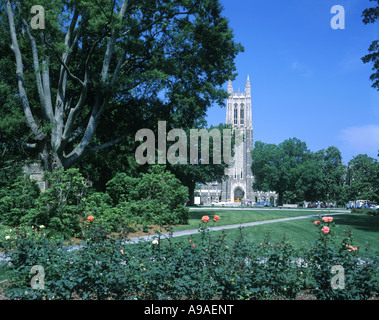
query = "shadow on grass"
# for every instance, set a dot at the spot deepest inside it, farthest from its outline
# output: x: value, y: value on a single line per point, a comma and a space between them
x: 359, y: 221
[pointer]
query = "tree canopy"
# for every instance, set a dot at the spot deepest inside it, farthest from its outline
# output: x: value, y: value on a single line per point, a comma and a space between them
x: 363, y: 178
x: 100, y: 70
x: 296, y: 173
x: 370, y: 15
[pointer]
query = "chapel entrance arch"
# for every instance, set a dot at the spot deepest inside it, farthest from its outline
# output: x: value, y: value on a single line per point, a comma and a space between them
x: 238, y: 194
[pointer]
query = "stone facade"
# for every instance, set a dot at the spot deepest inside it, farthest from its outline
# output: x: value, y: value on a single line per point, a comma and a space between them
x: 36, y: 173
x: 238, y: 187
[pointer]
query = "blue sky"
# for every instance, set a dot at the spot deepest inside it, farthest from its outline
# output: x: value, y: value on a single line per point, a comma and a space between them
x: 308, y: 80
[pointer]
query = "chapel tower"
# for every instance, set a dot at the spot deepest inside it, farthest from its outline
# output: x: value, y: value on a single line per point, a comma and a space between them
x: 237, y: 189
x: 239, y: 114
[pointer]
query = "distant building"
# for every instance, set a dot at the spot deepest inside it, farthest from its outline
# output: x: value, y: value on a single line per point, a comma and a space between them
x: 238, y: 187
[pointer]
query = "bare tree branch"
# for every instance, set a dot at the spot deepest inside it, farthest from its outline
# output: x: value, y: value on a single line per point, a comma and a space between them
x: 46, y: 110
x: 108, y: 144
x: 20, y: 77
x: 63, y: 63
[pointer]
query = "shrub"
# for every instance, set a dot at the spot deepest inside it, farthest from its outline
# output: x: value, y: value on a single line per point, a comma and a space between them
x: 209, y: 267
x: 155, y: 198
x: 114, y: 219
x: 17, y: 199
x: 371, y: 212
x: 359, y: 274
x: 61, y: 205
x: 121, y: 188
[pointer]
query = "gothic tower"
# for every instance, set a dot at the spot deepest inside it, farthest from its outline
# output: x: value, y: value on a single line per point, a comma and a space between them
x: 238, y: 187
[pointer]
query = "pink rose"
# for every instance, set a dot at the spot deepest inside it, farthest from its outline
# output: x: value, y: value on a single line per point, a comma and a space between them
x: 205, y: 219
x: 316, y: 223
x: 327, y: 219
x: 325, y: 230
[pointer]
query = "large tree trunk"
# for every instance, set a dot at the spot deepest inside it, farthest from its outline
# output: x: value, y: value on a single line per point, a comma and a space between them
x: 191, y: 193
x: 52, y: 146
x: 49, y: 159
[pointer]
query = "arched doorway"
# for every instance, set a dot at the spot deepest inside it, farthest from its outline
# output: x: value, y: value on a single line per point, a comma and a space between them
x: 238, y: 194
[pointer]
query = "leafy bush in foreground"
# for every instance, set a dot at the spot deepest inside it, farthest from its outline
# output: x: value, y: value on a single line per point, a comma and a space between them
x: 206, y: 268
x: 157, y: 197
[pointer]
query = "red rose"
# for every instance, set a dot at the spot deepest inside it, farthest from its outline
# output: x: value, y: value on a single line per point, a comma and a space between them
x: 90, y: 218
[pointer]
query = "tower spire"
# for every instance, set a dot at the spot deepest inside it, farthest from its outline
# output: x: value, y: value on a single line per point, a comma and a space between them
x: 248, y: 88
x: 230, y: 87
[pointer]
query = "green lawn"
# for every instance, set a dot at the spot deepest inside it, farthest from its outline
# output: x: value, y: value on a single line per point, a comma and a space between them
x: 237, y: 216
x: 301, y: 232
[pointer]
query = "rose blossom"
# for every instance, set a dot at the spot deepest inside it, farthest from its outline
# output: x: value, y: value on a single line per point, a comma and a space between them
x: 205, y: 219
x: 325, y: 230
x: 216, y: 217
x: 327, y: 219
x: 90, y: 218
x: 351, y: 248
x: 316, y: 223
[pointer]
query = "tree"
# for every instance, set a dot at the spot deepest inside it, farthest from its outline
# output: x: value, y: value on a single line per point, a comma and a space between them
x: 275, y: 167
x: 309, y: 180
x: 334, y: 172
x: 363, y: 178
x: 296, y: 173
x: 194, y: 172
x: 370, y: 15
x: 103, y: 64
x: 266, y: 168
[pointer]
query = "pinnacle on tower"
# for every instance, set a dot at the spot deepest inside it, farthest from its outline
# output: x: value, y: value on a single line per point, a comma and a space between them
x: 248, y: 88
x: 230, y: 87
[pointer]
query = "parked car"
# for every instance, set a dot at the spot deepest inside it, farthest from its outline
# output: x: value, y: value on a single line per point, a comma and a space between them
x: 350, y: 205
x: 364, y: 204
x: 263, y: 204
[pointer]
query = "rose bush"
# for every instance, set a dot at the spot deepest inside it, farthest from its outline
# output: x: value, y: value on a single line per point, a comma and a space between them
x: 210, y: 267
x: 360, y: 274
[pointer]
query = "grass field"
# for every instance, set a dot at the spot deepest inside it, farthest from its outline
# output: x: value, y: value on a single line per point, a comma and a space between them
x: 237, y: 216
x: 365, y: 228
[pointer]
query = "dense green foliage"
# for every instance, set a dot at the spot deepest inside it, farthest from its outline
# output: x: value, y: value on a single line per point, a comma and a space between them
x: 157, y: 197
x: 370, y: 15
x: 191, y: 174
x: 17, y: 199
x: 206, y: 268
x: 60, y: 206
x: 298, y: 174
x: 363, y: 178
x: 108, y: 64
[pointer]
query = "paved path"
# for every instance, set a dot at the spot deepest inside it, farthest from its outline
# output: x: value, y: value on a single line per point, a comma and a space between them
x: 248, y: 224
x: 234, y: 226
